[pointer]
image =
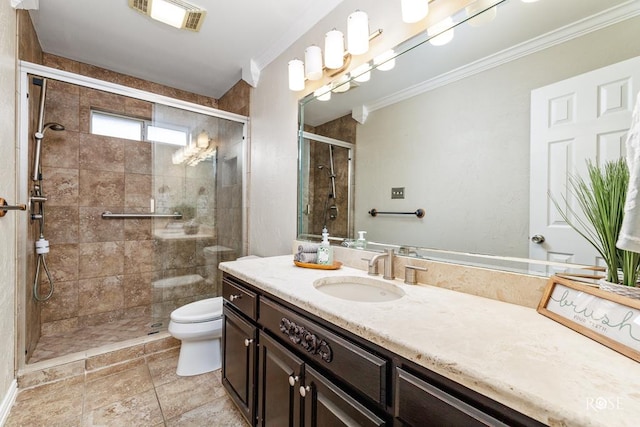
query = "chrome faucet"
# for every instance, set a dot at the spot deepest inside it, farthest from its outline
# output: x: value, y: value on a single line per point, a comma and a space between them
x: 388, y: 264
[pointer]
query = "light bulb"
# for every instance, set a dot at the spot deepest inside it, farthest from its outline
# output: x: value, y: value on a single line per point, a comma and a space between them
x: 334, y: 49
x: 441, y: 33
x: 483, y: 18
x: 414, y: 10
x: 313, y: 62
x: 342, y: 85
x: 323, y: 94
x: 358, y: 33
x: 362, y: 73
x: 296, y: 75
x: 385, y: 61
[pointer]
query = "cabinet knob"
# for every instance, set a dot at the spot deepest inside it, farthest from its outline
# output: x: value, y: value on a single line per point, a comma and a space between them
x: 247, y: 342
x: 293, y: 380
x: 304, y: 390
x: 235, y: 297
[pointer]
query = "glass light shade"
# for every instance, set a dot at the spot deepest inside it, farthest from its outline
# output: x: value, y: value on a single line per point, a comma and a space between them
x: 168, y: 13
x: 296, y: 75
x: 202, y: 141
x: 342, y: 85
x: 358, y: 33
x: 313, y: 62
x: 444, y: 35
x: 485, y: 17
x: 414, y: 10
x: 385, y: 61
x: 334, y: 49
x: 323, y: 94
x: 362, y: 73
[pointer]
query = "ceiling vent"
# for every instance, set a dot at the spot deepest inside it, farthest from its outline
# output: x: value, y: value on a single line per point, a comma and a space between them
x: 177, y: 13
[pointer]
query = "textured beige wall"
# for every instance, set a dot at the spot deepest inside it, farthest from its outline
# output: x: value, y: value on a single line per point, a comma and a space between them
x: 7, y: 191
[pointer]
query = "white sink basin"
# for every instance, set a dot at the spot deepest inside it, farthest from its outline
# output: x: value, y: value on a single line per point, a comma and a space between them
x: 356, y: 288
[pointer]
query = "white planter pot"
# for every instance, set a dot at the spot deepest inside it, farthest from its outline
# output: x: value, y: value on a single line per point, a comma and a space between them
x: 627, y: 291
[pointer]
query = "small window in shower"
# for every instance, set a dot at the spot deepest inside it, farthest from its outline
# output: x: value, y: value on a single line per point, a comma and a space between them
x: 119, y: 126
x: 116, y: 126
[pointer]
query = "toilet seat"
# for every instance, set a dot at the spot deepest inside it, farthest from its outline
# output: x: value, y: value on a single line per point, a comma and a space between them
x: 199, y: 311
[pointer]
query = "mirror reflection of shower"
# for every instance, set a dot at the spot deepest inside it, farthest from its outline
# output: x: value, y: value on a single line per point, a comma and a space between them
x: 326, y: 197
x: 330, y: 207
x: 38, y: 198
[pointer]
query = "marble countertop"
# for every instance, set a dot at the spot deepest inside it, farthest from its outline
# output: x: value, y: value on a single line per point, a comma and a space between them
x: 507, y: 352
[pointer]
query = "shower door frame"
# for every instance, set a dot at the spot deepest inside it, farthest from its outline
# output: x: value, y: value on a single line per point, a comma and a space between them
x: 23, y: 178
x: 302, y: 210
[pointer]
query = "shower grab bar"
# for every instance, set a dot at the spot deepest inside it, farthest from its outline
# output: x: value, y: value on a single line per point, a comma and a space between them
x: 419, y: 213
x: 107, y: 215
x: 4, y: 207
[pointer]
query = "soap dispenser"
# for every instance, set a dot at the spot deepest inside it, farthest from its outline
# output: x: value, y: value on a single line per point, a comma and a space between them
x: 361, y: 243
x: 325, y: 251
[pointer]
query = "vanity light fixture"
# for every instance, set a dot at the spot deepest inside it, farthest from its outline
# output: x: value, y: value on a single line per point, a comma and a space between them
x: 482, y: 18
x: 323, y: 94
x: 441, y: 33
x: 358, y: 33
x: 177, y: 13
x: 362, y: 73
x: 334, y: 49
x: 336, y: 58
x: 342, y: 84
x: 195, y: 152
x: 385, y: 61
x: 414, y: 10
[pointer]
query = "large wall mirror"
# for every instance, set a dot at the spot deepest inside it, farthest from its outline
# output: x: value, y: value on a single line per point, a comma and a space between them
x: 450, y: 128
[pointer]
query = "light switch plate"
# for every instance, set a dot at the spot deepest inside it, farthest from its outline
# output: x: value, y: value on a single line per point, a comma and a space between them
x: 397, y: 192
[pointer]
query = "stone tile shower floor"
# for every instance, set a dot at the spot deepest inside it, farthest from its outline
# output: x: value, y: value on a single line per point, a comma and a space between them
x: 60, y: 344
x: 146, y: 393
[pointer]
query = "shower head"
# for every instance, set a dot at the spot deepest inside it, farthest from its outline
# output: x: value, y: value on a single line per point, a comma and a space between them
x: 53, y: 126
x: 39, y: 135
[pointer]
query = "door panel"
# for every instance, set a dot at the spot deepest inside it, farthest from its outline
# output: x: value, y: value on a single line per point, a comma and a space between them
x: 584, y: 117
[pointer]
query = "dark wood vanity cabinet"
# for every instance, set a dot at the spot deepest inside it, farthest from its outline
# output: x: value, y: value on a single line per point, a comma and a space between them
x: 279, y: 375
x: 285, y: 367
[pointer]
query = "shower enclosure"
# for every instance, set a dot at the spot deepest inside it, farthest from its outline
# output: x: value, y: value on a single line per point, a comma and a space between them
x: 325, y: 187
x: 139, y: 197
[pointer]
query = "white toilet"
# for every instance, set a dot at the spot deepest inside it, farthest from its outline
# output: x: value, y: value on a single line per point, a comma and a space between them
x: 199, y: 326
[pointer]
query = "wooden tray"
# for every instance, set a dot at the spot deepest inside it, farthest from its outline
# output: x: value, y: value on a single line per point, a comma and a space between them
x: 336, y: 265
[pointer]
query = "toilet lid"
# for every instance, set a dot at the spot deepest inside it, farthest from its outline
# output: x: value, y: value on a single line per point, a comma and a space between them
x: 198, y: 311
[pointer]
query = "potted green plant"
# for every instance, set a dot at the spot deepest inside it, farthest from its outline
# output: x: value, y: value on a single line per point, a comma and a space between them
x: 601, y: 198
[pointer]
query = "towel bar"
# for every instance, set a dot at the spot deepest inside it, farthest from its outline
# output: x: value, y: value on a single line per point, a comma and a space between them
x: 419, y: 213
x: 108, y: 215
x: 4, y: 207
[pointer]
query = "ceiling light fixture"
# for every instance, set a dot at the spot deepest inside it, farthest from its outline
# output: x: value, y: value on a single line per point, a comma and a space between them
x: 336, y: 58
x: 177, y: 13
x: 414, y: 10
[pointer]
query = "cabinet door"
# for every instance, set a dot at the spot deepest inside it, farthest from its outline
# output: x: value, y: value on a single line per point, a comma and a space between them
x: 239, y: 362
x: 279, y: 373
x: 326, y: 405
x: 419, y: 404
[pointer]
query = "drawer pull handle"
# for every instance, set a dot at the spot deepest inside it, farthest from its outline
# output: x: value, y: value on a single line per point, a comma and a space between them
x: 247, y: 342
x: 306, y: 339
x: 293, y: 380
x: 234, y: 297
x: 304, y: 390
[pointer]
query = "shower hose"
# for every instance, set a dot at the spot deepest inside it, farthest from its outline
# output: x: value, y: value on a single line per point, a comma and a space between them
x: 42, y: 248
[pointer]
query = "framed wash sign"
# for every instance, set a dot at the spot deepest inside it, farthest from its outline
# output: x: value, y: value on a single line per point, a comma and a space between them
x: 608, y: 318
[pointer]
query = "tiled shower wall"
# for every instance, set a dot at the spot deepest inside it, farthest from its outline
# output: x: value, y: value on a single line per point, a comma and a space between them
x: 103, y: 269
x: 343, y: 129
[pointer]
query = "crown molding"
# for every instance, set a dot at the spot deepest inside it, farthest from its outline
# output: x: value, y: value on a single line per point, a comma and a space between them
x: 593, y: 23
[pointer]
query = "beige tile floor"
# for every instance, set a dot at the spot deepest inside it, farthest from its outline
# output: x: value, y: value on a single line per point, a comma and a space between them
x: 143, y: 392
x: 53, y: 345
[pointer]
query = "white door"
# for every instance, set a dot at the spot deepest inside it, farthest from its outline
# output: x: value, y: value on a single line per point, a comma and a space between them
x: 584, y: 117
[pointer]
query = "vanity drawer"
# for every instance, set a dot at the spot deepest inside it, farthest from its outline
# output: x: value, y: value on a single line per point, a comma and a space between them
x: 354, y: 365
x: 240, y: 297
